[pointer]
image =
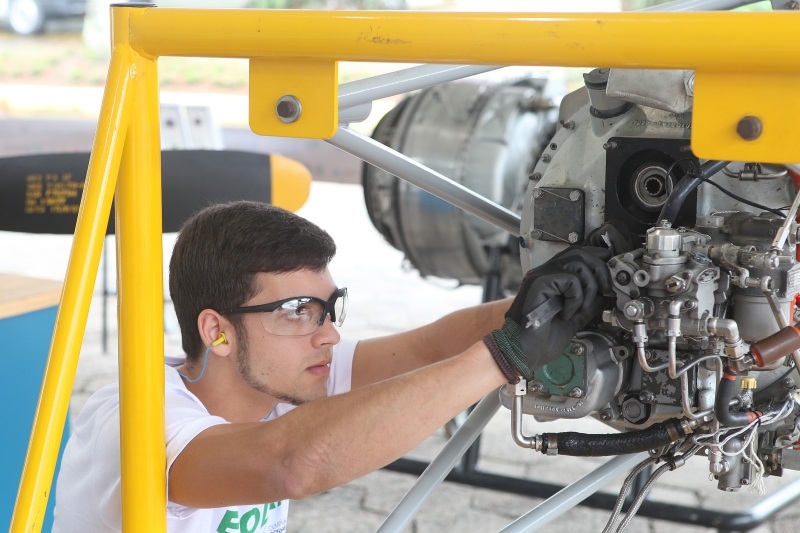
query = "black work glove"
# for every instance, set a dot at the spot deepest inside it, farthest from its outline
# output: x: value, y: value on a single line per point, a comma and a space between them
x: 613, y: 237
x: 576, y: 274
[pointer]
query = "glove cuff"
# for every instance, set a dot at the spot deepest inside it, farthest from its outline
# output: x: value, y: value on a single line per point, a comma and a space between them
x: 507, y: 370
x: 507, y: 343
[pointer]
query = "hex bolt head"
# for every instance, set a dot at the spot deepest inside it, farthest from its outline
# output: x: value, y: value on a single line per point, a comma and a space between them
x: 535, y: 176
x: 646, y: 396
x: 546, y: 158
x: 605, y: 415
x: 538, y: 193
x: 749, y: 128
x: 576, y: 349
x: 572, y: 237
x: 609, y: 145
x: 288, y: 109
x: 574, y: 196
x: 536, y: 386
x: 576, y: 393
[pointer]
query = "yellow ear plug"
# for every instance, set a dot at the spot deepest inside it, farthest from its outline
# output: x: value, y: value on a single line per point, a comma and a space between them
x: 220, y: 340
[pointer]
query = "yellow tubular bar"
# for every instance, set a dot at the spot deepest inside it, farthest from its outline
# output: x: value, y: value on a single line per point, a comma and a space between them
x: 711, y: 41
x: 84, y: 259
x: 141, y: 313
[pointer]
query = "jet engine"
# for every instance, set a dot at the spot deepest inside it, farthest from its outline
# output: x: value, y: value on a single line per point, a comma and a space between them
x: 697, y: 351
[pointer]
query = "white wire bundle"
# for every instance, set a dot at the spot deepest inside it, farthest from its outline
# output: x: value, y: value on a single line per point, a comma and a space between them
x: 749, y: 445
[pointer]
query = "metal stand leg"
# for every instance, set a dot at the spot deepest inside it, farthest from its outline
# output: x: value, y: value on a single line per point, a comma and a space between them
x: 438, y: 469
x: 105, y: 295
x: 573, y: 494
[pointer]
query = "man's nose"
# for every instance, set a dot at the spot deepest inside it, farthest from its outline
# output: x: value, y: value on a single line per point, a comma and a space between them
x: 327, y: 334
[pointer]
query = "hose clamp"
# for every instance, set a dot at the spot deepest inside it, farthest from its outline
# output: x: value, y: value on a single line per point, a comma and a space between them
x: 552, y: 444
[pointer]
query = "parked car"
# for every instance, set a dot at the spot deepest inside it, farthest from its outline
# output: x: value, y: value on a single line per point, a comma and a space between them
x: 29, y: 16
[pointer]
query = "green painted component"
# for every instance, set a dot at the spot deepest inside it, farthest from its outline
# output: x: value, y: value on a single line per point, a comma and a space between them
x: 562, y: 375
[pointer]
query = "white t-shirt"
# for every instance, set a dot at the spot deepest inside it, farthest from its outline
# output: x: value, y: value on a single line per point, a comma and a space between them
x: 88, y: 488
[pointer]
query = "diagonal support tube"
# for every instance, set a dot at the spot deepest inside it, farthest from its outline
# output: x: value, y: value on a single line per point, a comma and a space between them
x: 84, y: 260
x: 699, y: 5
x: 433, y: 476
x: 429, y: 180
x: 573, y: 494
x: 402, y: 81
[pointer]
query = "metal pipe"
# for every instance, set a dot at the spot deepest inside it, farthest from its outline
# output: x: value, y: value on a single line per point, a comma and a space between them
x: 687, y: 410
x: 673, y: 332
x: 573, y: 494
x: 535, y: 442
x: 84, y: 260
x: 783, y: 232
x: 429, y: 180
x: 729, y: 329
x: 402, y: 81
x: 699, y: 5
x: 433, y: 476
x: 141, y: 314
x: 703, y: 41
x: 411, y: 79
x: 779, y: 317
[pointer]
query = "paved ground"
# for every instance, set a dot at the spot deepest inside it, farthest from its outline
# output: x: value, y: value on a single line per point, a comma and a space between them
x: 385, y: 298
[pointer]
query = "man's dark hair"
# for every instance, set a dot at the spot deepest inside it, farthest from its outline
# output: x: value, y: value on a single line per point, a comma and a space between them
x: 221, y: 249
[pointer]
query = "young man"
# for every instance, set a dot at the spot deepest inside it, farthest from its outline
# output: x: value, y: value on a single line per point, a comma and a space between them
x: 270, y: 404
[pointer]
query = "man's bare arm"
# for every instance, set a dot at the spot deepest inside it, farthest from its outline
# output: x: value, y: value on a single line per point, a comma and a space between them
x: 331, y: 441
x: 385, y: 357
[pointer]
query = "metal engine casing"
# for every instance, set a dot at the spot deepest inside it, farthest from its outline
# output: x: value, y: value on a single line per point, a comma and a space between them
x: 580, y: 160
x: 484, y: 135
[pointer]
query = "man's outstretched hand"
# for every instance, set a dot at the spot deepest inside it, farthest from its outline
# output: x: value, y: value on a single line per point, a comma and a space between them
x: 577, y: 275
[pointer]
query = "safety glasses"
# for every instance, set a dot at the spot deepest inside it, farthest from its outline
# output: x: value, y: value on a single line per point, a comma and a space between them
x: 298, y: 315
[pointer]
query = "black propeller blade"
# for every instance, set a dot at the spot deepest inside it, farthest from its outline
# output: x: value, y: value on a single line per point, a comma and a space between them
x: 42, y: 193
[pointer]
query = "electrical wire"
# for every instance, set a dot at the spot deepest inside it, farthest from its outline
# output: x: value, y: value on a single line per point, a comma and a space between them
x: 743, y: 200
x: 726, y: 191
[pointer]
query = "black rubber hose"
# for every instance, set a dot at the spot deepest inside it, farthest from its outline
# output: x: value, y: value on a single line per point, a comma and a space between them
x: 601, y: 445
x: 685, y: 186
x: 722, y: 409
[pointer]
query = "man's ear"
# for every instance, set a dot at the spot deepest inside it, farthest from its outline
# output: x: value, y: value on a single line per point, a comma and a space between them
x: 216, y: 330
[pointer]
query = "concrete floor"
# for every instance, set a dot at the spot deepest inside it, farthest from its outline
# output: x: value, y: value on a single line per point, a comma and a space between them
x: 385, y: 298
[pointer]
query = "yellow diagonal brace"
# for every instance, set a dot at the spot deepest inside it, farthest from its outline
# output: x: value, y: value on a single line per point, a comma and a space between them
x: 51, y: 412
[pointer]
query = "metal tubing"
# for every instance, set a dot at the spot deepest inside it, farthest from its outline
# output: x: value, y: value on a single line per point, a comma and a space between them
x: 780, y: 318
x: 84, y: 259
x: 573, y: 494
x: 764, y: 509
x: 411, y: 79
x: 699, y: 5
x: 403, y: 81
x: 438, y: 469
x: 429, y: 180
x: 705, y: 41
x: 141, y: 313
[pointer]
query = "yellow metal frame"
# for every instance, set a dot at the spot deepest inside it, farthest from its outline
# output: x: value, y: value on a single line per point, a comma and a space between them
x: 746, y: 63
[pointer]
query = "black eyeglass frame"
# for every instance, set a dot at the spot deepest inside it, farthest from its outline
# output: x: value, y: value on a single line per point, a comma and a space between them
x: 328, y: 307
